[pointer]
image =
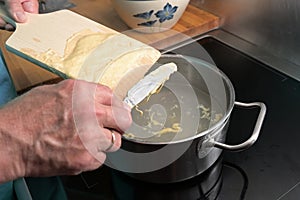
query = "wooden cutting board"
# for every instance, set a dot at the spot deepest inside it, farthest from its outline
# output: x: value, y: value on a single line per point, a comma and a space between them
x: 71, y: 45
x: 194, y: 21
x: 48, y: 31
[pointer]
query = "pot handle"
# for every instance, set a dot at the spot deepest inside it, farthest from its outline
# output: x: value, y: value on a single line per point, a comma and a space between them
x: 248, y: 143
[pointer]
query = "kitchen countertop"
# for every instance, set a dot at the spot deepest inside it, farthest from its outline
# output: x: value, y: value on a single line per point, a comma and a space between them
x: 26, y: 75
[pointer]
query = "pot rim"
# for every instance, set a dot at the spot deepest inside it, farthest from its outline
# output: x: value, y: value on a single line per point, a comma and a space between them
x: 214, y: 127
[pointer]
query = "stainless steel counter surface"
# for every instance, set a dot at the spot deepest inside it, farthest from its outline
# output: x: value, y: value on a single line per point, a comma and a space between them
x: 271, y: 26
x: 257, y: 52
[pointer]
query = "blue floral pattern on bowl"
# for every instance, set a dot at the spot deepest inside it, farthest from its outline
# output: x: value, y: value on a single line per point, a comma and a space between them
x: 145, y: 15
x: 167, y: 13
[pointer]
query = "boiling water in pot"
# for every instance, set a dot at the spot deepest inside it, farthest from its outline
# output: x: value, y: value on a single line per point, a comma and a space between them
x: 166, y: 114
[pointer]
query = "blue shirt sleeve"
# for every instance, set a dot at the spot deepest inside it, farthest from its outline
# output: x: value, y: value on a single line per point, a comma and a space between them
x: 7, y: 92
x: 7, y: 89
x: 52, y: 187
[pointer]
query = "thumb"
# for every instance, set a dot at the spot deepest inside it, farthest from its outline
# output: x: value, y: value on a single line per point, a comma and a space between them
x: 15, y: 9
x: 31, y: 6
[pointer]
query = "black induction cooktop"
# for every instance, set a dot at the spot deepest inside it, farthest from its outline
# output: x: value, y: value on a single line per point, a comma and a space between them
x: 269, y: 170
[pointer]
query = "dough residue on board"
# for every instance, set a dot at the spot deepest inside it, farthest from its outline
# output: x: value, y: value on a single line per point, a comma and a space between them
x: 99, y: 57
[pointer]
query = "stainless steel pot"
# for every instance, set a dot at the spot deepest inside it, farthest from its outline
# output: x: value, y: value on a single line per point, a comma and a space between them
x: 202, y: 92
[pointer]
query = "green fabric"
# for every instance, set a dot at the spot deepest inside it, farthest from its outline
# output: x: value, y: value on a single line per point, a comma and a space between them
x: 39, y: 188
x: 7, y: 92
x: 6, y: 191
x: 46, y: 188
x: 7, y: 89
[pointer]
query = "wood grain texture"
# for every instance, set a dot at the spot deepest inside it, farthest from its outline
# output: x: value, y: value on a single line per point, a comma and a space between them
x: 25, y: 74
x: 51, y: 31
x: 49, y: 40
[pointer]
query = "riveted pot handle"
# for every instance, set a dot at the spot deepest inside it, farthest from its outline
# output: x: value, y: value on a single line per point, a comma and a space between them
x: 248, y: 143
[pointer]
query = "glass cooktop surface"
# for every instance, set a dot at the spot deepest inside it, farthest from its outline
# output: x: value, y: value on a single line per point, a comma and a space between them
x: 269, y: 170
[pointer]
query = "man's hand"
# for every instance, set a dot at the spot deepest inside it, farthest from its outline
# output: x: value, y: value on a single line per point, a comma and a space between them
x: 16, y: 10
x: 60, y: 129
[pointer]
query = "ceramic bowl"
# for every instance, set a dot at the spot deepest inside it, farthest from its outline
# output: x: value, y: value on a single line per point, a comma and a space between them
x: 150, y: 15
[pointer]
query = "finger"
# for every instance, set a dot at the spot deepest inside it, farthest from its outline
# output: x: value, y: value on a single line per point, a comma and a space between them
x: 9, y: 27
x: 109, y: 99
x: 116, y: 102
x: 95, y: 163
x: 113, y: 117
x: 114, y: 141
x: 31, y: 6
x: 86, y: 162
x: 103, y: 95
x: 92, y: 93
x: 16, y: 10
x: 2, y: 23
x: 6, y: 26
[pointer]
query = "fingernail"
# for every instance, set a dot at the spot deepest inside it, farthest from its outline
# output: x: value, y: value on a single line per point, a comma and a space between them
x: 21, y: 17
